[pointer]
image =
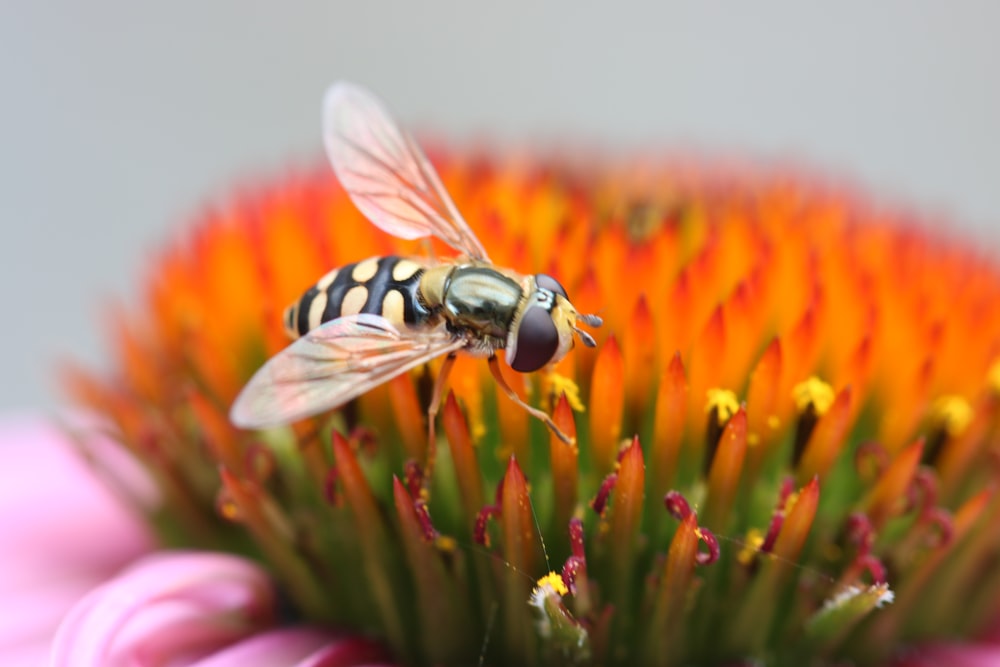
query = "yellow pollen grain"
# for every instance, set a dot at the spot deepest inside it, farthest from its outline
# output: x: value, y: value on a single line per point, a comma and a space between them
x: 813, y: 392
x: 993, y: 377
x: 478, y: 430
x: 229, y: 511
x: 751, y: 545
x: 560, y: 384
x: 445, y: 543
x: 952, y: 413
x: 790, y: 502
x: 554, y: 581
x: 773, y: 422
x: 724, y: 402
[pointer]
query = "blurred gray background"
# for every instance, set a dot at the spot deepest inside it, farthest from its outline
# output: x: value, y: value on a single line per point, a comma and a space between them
x: 122, y: 119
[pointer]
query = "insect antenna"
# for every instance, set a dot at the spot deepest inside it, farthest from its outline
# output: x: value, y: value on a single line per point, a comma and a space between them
x: 587, y: 339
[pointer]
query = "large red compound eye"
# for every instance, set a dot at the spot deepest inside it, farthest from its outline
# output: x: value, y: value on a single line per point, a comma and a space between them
x: 545, y: 281
x: 537, y: 340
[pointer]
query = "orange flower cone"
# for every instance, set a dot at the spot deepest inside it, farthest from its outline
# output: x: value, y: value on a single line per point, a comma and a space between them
x: 790, y: 417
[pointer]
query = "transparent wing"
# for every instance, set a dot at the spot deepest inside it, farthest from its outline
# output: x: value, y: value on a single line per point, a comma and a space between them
x: 386, y: 174
x: 332, y: 364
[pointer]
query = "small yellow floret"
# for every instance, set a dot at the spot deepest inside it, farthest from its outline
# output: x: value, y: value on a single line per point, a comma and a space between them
x: 560, y: 384
x: 478, y: 430
x: 790, y: 502
x: 724, y: 402
x: 953, y: 413
x: 446, y: 543
x: 554, y: 581
x: 993, y: 377
x: 813, y: 392
x: 751, y: 545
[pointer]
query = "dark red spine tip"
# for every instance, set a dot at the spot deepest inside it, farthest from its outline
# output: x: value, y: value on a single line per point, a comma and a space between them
x: 576, y: 537
x: 923, y: 492
x: 479, y: 534
x: 414, y: 476
x: 577, y: 562
x: 860, y: 532
x: 424, y: 517
x: 773, y: 530
x: 570, y: 570
x: 677, y: 505
x: 600, y: 501
x: 712, y: 551
x: 942, y: 523
x: 874, y: 567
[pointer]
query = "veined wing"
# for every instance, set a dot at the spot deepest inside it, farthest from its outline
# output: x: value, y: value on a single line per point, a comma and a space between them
x: 332, y: 364
x: 386, y: 174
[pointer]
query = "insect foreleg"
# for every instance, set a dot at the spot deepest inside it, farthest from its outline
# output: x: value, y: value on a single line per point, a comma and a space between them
x: 539, y: 414
x: 432, y: 411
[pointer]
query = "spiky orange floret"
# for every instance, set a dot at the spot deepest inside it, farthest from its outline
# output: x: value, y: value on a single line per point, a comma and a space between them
x: 722, y: 266
x: 754, y: 290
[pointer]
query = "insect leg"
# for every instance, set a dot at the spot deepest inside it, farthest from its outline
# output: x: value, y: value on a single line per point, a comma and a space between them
x: 498, y: 376
x: 432, y: 411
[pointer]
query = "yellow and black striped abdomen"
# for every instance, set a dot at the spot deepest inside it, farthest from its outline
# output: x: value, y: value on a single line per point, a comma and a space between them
x: 385, y: 286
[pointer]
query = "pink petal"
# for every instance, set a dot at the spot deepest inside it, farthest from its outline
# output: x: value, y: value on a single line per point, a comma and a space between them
x: 951, y: 655
x: 57, y: 518
x: 59, y: 511
x: 166, y: 607
x: 297, y: 648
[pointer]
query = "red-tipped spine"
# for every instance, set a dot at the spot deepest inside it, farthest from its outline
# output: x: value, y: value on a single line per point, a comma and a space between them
x: 445, y: 634
x: 468, y: 474
x: 517, y: 526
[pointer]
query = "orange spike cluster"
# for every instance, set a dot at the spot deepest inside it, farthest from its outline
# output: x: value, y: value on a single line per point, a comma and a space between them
x: 563, y: 459
x: 725, y: 471
x: 626, y: 512
x: 829, y: 435
x: 606, y: 405
x: 668, y: 429
x: 712, y: 282
x: 463, y: 457
x: 671, y: 594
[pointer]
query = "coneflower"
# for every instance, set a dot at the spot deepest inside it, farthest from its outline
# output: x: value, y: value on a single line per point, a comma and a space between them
x: 785, y: 442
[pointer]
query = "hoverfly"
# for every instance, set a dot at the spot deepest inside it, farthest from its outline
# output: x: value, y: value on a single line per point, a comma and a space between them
x: 365, y: 323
